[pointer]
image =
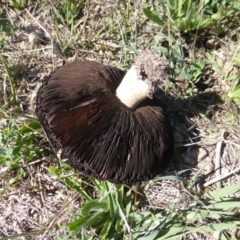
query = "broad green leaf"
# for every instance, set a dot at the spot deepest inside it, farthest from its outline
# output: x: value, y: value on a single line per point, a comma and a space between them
x: 225, y: 205
x: 236, y: 100
x: 88, y: 221
x: 138, y: 218
x: 20, y: 174
x: 205, y: 23
x: 105, y: 230
x: 185, y: 75
x: 53, y: 170
x: 150, y: 236
x: 152, y: 16
x: 215, y: 227
x: 169, y: 232
x: 128, y: 202
x: 60, y: 238
x: 223, y: 192
x: 162, y: 49
x: 122, y: 215
x: 187, y: 4
x: 76, y: 224
x: 173, y: 178
x: 201, y: 214
x: 94, y: 206
x: 196, y: 215
x: 98, y: 220
x: 112, y: 206
x: 178, y: 232
x: 29, y: 128
x: 233, y: 94
x: 235, y: 82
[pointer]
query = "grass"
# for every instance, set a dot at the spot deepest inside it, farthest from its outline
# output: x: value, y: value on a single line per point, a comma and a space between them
x: 18, y: 145
x: 47, y: 198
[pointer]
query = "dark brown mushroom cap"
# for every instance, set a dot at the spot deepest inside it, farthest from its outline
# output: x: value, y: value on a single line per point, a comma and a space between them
x: 82, y: 117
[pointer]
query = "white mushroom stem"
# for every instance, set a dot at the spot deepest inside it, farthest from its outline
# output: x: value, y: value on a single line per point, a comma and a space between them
x: 143, y: 78
x: 132, y: 90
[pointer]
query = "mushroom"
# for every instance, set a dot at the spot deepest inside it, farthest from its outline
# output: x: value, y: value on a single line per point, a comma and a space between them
x: 106, y: 125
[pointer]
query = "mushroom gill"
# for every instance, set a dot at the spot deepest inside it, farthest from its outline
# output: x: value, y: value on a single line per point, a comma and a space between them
x: 108, y: 126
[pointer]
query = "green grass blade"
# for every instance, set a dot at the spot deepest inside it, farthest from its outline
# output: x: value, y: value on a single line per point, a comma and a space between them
x: 173, y: 178
x: 13, y: 90
x: 225, y: 205
x: 178, y: 232
x: 105, y: 230
x: 78, y: 223
x: 222, y: 193
x: 94, y: 206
